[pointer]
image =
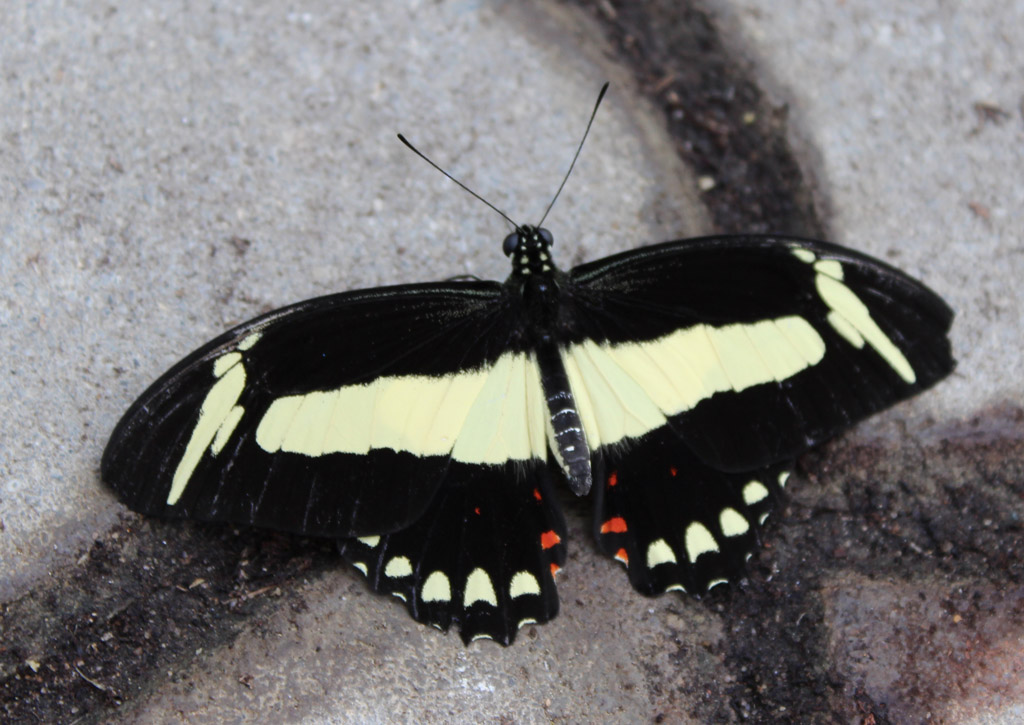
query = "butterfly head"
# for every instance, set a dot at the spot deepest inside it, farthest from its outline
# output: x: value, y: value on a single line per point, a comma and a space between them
x: 530, y: 250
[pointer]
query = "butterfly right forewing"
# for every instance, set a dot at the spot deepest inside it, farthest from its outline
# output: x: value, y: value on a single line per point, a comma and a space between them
x: 756, y: 348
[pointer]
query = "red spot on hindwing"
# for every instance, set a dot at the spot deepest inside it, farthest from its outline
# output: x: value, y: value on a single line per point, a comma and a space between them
x: 673, y: 470
x: 536, y: 494
x: 477, y: 510
x: 613, y: 478
x: 554, y: 569
x: 622, y: 556
x: 549, y: 539
x: 615, y: 525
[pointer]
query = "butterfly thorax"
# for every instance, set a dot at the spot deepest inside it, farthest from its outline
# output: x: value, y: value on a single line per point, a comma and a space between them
x: 536, y: 282
x: 539, y: 285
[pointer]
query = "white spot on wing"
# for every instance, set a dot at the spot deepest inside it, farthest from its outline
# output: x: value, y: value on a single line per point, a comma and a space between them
x: 804, y: 339
x: 225, y: 362
x: 732, y: 522
x: 699, y: 541
x: 783, y: 478
x: 659, y: 552
x: 804, y: 255
x: 775, y: 348
x: 829, y: 267
x: 249, y: 341
x: 370, y: 541
x: 753, y: 492
x: 523, y: 583
x: 398, y: 567
x: 498, y: 426
x: 436, y: 588
x: 740, y: 357
x: 479, y: 588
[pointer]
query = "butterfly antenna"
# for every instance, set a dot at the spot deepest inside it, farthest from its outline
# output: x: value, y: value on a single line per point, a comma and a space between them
x: 423, y: 156
x: 578, y: 149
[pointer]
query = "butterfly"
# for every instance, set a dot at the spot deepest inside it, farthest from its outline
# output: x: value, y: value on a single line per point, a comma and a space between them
x: 426, y: 426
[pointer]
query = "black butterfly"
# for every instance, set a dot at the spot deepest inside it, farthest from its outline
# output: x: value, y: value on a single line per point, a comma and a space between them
x: 424, y: 425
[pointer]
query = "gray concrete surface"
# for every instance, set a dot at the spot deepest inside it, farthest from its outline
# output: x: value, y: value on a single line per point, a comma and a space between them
x: 137, y: 143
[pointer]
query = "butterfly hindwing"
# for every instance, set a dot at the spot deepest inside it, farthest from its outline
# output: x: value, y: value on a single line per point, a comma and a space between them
x: 483, y: 555
x: 333, y: 417
x: 674, y: 522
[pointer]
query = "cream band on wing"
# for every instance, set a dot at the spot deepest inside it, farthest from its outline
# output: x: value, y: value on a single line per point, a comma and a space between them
x: 629, y: 389
x: 497, y: 414
x: 489, y: 415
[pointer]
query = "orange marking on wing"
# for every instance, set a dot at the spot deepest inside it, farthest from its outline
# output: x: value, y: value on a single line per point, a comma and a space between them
x: 613, y: 478
x: 536, y: 494
x: 549, y: 539
x: 673, y: 470
x: 477, y: 510
x: 555, y: 569
x: 615, y: 525
x: 622, y: 556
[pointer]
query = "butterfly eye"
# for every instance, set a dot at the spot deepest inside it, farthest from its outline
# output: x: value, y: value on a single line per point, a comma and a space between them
x: 546, y: 237
x: 510, y: 243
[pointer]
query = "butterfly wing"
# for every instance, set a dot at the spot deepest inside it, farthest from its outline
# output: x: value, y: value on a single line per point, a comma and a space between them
x: 483, y: 556
x: 755, y: 348
x: 703, y: 368
x: 339, y: 416
x: 675, y: 522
